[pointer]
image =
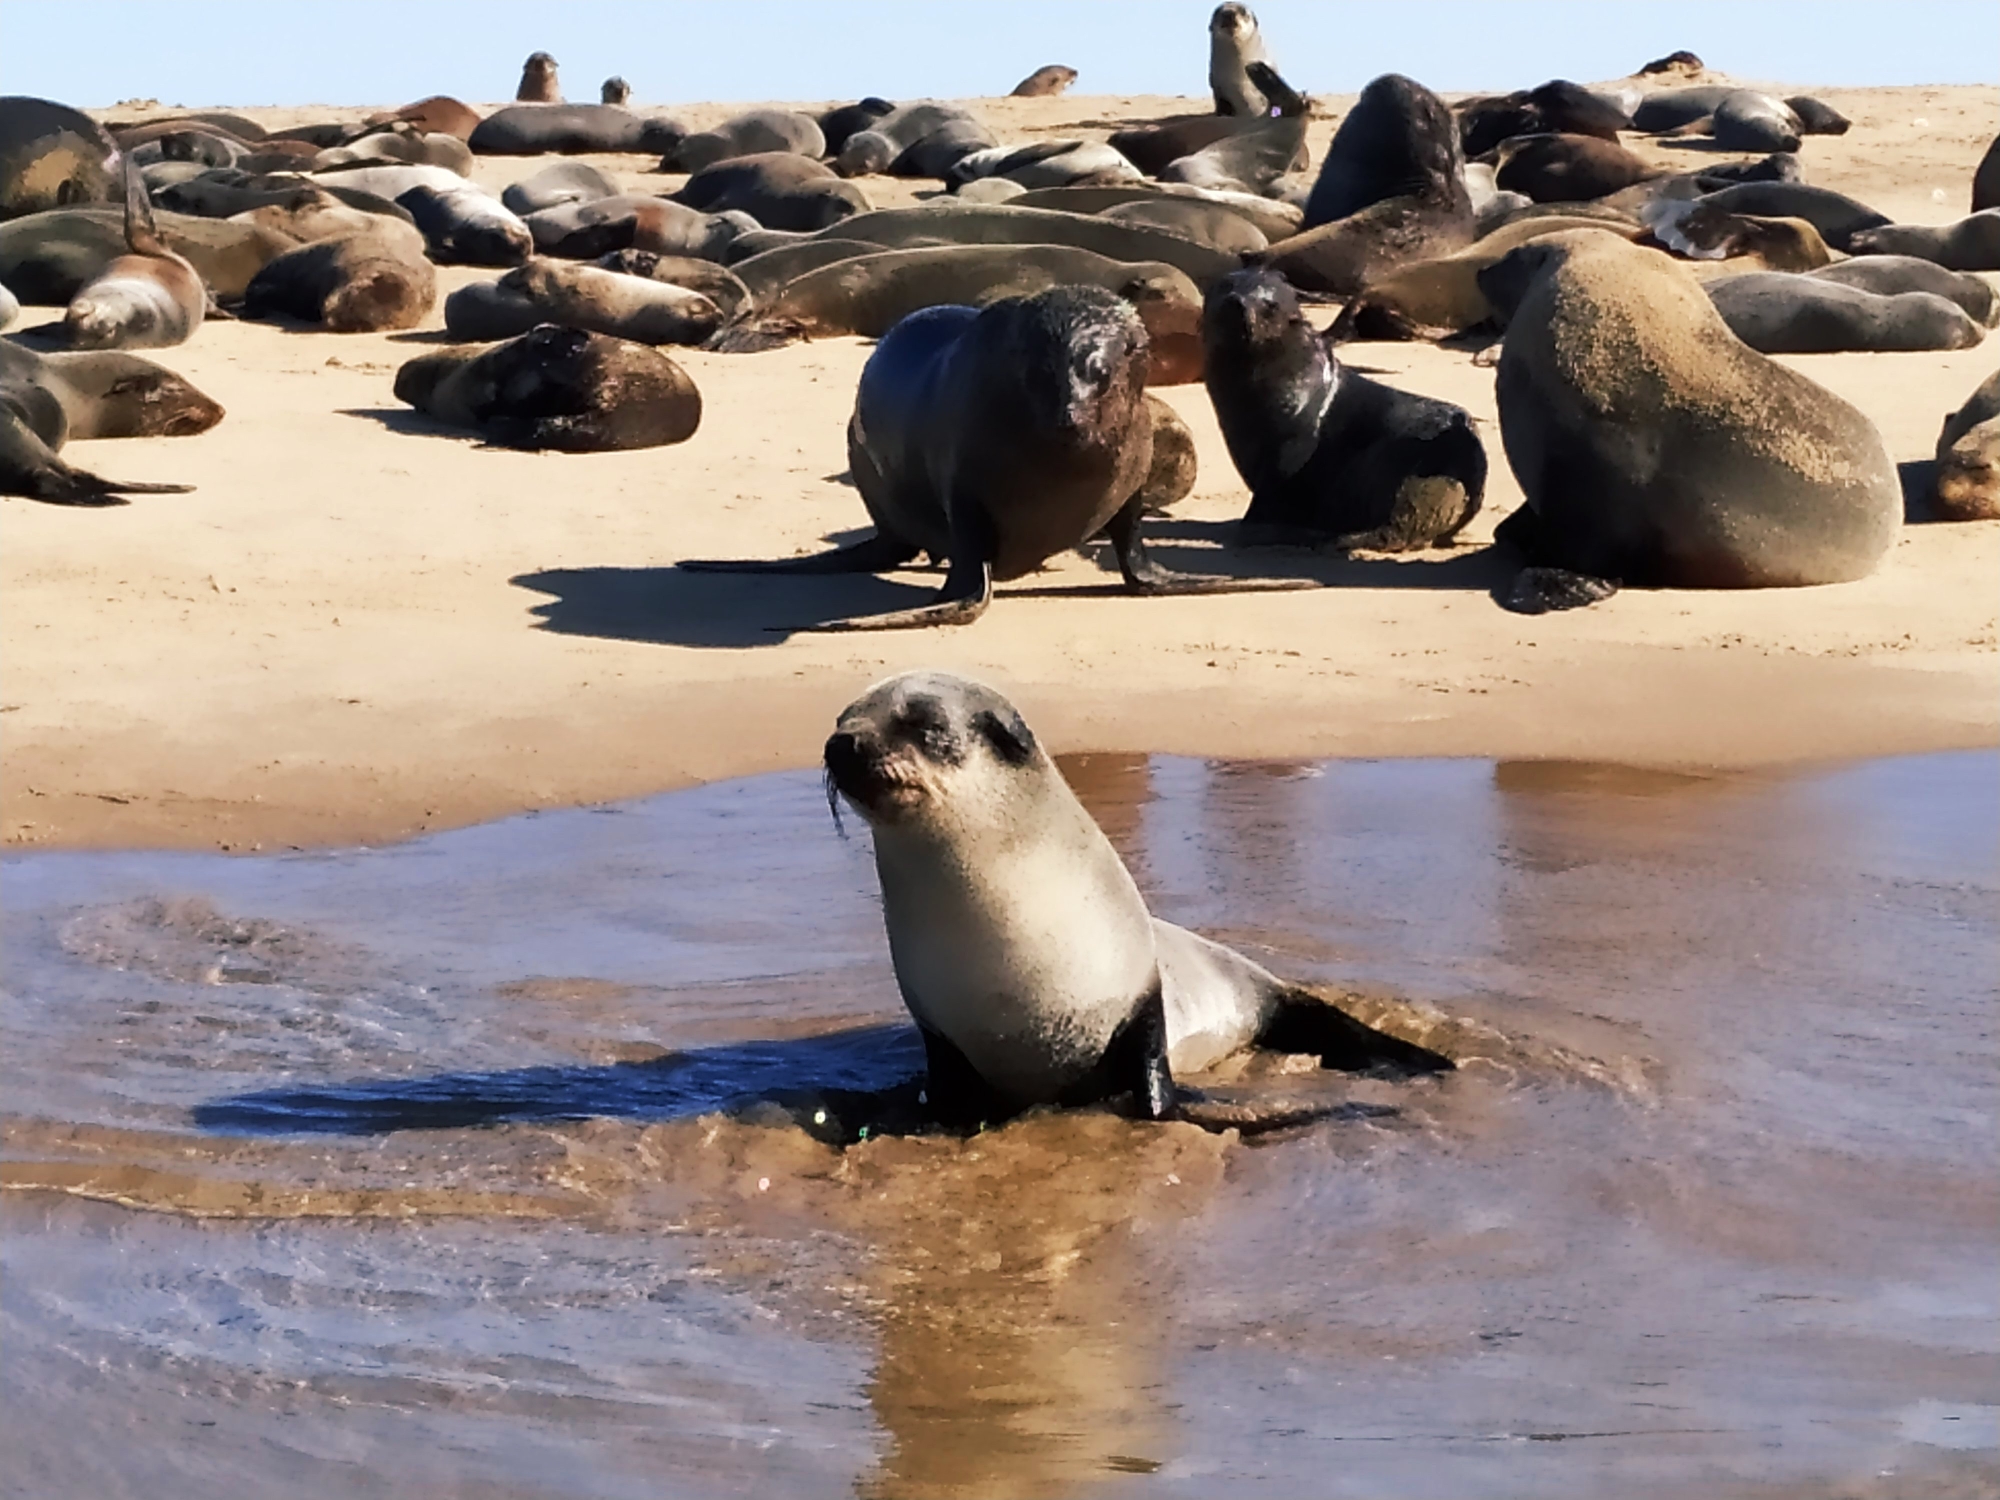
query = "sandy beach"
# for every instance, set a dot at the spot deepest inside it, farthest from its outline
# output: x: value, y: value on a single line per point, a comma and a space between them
x: 359, y: 626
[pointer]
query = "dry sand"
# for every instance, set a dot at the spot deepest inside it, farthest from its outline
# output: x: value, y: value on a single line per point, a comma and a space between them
x: 358, y: 627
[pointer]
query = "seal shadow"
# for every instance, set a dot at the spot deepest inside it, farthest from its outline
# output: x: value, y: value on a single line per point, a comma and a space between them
x: 401, y: 419
x: 1918, y: 478
x: 429, y: 336
x: 669, y: 607
x: 1459, y: 567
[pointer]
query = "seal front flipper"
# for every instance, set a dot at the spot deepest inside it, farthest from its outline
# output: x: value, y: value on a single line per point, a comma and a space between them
x: 1144, y: 576
x: 879, y: 553
x: 1133, y: 1069
x: 954, y: 1092
x: 29, y: 467
x: 1542, y: 591
x: 968, y: 583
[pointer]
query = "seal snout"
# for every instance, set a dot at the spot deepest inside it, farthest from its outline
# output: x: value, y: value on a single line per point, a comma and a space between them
x: 870, y: 773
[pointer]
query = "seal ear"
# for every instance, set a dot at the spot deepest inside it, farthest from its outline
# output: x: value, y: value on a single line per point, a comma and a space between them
x: 1009, y: 737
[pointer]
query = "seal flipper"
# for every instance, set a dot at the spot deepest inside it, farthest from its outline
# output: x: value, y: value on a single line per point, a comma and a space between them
x: 1305, y: 1022
x: 29, y: 467
x: 1280, y: 95
x: 1543, y: 587
x: 955, y: 1093
x: 1134, y: 1066
x: 968, y: 582
x: 1144, y: 576
x: 879, y: 553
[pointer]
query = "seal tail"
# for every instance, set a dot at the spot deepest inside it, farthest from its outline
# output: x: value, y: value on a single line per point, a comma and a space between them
x: 142, y: 235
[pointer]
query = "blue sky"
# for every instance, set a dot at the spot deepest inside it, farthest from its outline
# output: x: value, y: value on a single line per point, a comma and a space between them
x: 236, y: 52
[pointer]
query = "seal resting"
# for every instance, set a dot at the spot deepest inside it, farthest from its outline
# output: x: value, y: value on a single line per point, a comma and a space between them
x: 1967, y: 486
x: 45, y: 400
x: 1972, y: 244
x: 997, y: 438
x: 353, y: 283
x: 1775, y: 312
x: 1023, y: 947
x: 149, y: 298
x: 52, y: 156
x: 1331, y: 457
x: 1655, y: 447
x: 559, y: 388
x: 542, y: 290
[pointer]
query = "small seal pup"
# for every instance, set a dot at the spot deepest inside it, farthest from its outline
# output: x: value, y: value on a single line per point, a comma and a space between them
x: 1331, y: 457
x: 558, y: 388
x: 1654, y: 447
x: 149, y: 298
x: 1967, y: 486
x: 1022, y: 945
x: 997, y: 438
x: 538, y: 81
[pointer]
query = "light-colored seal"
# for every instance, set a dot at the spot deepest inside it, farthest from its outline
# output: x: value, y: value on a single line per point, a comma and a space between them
x: 47, y: 400
x: 1747, y: 120
x: 1022, y: 946
x: 721, y: 286
x: 538, y: 81
x: 1245, y: 161
x: 1044, y: 83
x: 1234, y: 42
x: 779, y: 189
x: 751, y: 133
x: 47, y: 258
x: 557, y: 388
x: 998, y: 438
x: 1654, y: 447
x: 586, y: 297
x: 1776, y: 312
x: 1044, y: 164
x: 1972, y: 244
x: 355, y: 283
x: 556, y: 184
x: 466, y: 227
x: 1967, y: 486
x: 149, y: 298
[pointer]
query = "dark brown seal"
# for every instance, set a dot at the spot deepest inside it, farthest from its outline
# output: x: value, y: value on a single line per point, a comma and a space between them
x: 354, y: 283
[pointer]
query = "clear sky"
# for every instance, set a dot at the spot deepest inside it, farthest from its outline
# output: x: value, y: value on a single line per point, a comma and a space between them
x: 248, y: 52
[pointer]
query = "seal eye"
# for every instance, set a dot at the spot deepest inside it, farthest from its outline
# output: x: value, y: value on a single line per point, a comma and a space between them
x: 923, y: 723
x: 1010, y: 739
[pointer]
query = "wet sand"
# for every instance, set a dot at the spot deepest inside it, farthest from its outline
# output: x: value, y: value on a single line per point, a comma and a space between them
x: 485, y: 1165
x: 360, y: 627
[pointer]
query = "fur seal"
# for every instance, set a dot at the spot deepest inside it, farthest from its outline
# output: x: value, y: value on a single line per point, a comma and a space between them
x: 1391, y: 190
x: 10, y: 308
x: 556, y: 184
x: 572, y: 130
x: 353, y: 283
x: 466, y: 227
x: 917, y: 140
x: 1274, y: 220
x: 46, y: 258
x: 1967, y: 487
x: 1775, y: 312
x: 1654, y: 447
x: 997, y: 438
x: 409, y: 148
x: 1747, y: 120
x: 1816, y: 117
x: 1972, y: 244
x: 1021, y: 943
x: 1330, y: 457
x: 1235, y: 42
x: 1151, y: 147
x: 1682, y: 64
x: 721, y: 286
x: 437, y: 112
x: 149, y: 298
x: 47, y: 400
x: 557, y: 388
x: 1675, y: 109
x: 1557, y: 107
x: 1986, y: 179
x: 614, y: 91
x: 635, y: 308
x: 1044, y: 83
x: 52, y: 156
x: 1567, y: 168
x: 752, y: 133
x: 769, y: 272
x: 1836, y: 216
x: 779, y: 189
x: 586, y: 230
x: 1214, y: 224
x: 1246, y: 161
x: 842, y: 122
x: 1041, y: 164
x: 1891, y: 274
x: 538, y: 81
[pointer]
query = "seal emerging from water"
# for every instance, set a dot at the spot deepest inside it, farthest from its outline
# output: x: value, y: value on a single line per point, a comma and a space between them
x: 1022, y: 945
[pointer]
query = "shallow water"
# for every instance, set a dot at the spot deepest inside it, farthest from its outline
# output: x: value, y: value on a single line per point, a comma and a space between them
x: 466, y: 1171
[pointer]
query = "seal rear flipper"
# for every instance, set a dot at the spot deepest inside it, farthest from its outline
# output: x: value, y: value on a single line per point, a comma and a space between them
x: 1133, y: 1070
x: 29, y: 467
x: 1305, y: 1022
x: 1541, y: 591
x: 879, y: 553
x: 1144, y: 576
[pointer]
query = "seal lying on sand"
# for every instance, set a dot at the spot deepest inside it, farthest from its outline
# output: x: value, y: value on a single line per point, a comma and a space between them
x: 1777, y: 313
x: 52, y: 156
x: 997, y: 439
x: 354, y: 283
x: 559, y: 388
x: 542, y: 290
x: 1653, y: 446
x: 47, y: 258
x: 1332, y: 458
x: 150, y: 298
x: 1967, y: 487
x: 1972, y: 244
x: 1022, y: 945
x: 47, y: 400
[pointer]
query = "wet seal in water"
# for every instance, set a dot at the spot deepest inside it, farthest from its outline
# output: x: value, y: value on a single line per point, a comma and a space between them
x: 998, y: 438
x: 1332, y: 458
x: 47, y: 400
x: 1654, y: 447
x: 149, y: 298
x: 1022, y: 945
x: 557, y: 388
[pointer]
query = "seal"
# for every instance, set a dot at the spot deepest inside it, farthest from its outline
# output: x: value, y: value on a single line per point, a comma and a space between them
x: 1665, y: 110
x: 917, y: 140
x: 1967, y: 486
x: 839, y: 124
x: 1836, y: 216
x: 149, y: 298
x: 52, y: 156
x: 1217, y: 225
x: 1816, y: 117
x: 1972, y: 244
x: 1044, y: 83
x: 1332, y: 458
x: 1043, y: 164
x: 538, y: 80
x: 408, y: 147
x: 557, y: 388
x: 1891, y: 274
x: 1775, y: 312
x: 1567, y: 168
x: 353, y: 283
x: 464, y: 226
x: 586, y: 230
x: 1391, y: 190
x: 434, y: 113
x: 1655, y: 447
x: 1023, y: 947
x: 47, y: 258
x: 1986, y: 179
x: 572, y: 130
x: 721, y: 286
x: 779, y: 189
x: 615, y: 90
x: 1246, y: 161
x: 1557, y: 107
x: 556, y: 184
x: 1234, y: 43
x: 1747, y: 120
x: 752, y: 133
x: 997, y: 438
x: 10, y: 308
x: 636, y: 308
x: 45, y: 400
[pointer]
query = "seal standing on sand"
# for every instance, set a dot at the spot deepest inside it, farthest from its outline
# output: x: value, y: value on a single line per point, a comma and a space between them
x: 45, y: 401
x: 147, y: 299
x: 558, y: 388
x: 1234, y: 42
x: 538, y: 81
x: 1654, y: 447
x: 1330, y: 456
x: 998, y: 438
x: 1022, y: 945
